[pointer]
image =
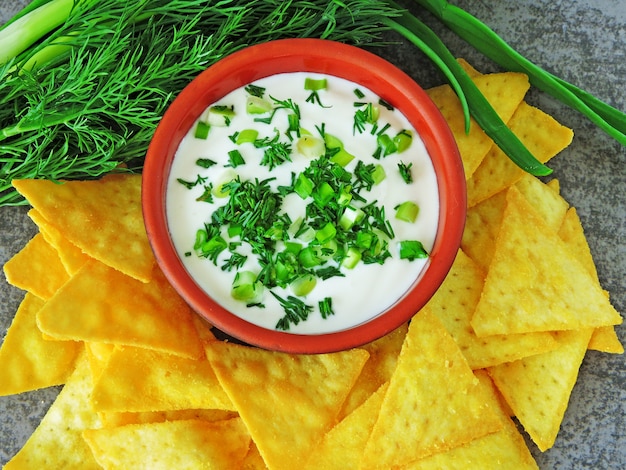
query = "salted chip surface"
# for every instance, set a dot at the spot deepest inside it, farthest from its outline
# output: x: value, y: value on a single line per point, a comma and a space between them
x: 537, y: 388
x: 501, y: 450
x: 57, y: 442
x: 378, y: 369
x: 191, y: 444
x: 539, y: 132
x: 504, y: 91
x: 102, y: 217
x: 550, y: 206
x: 534, y: 283
x: 434, y: 402
x: 138, y: 379
x: 29, y: 362
x: 36, y: 268
x: 604, y: 338
x: 454, y: 304
x: 70, y: 255
x: 288, y: 402
x: 346, y: 442
x: 101, y: 304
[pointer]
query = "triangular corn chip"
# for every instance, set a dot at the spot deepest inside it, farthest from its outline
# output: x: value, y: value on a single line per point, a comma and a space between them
x: 504, y: 91
x: 36, y: 268
x: 537, y: 388
x: 502, y: 450
x: 550, y: 206
x: 27, y: 361
x: 454, y: 305
x: 346, y: 442
x: 137, y: 379
x: 538, y: 131
x: 57, y: 442
x: 434, y: 402
x: 605, y: 338
x: 377, y: 370
x: 101, y: 217
x: 534, y: 283
x: 101, y: 304
x: 71, y: 256
x: 294, y: 399
x: 180, y: 445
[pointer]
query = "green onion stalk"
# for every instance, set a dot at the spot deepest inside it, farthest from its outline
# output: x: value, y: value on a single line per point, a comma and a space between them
x: 83, y: 83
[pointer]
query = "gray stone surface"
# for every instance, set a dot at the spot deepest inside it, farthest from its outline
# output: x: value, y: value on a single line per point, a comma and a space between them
x: 582, y: 41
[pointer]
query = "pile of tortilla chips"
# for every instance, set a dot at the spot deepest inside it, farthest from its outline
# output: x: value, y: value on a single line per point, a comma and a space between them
x: 147, y: 385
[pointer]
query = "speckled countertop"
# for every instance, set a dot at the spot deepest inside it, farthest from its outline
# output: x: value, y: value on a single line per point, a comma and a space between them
x: 582, y: 41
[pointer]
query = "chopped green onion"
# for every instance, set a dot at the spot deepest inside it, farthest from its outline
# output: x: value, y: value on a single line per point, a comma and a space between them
x: 220, y: 115
x: 326, y: 233
x: 403, y: 140
x: 303, y: 285
x: 246, y: 136
x: 350, y: 217
x: 205, y: 162
x: 342, y: 157
x: 405, y: 172
x: 386, y: 144
x: 315, y: 84
x: 407, y: 211
x: 308, y: 257
x: 353, y: 256
x: 303, y: 186
x: 246, y: 287
x: 378, y: 175
x: 310, y: 147
x: 202, y: 130
x: 221, y: 188
x: 323, y: 194
x: 256, y: 105
x: 412, y: 249
x: 235, y: 158
x: 326, y: 307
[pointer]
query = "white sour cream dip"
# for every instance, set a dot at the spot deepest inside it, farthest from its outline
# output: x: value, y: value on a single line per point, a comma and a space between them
x: 366, y: 290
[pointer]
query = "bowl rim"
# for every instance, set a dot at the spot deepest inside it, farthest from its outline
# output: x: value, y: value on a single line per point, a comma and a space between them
x: 315, y: 56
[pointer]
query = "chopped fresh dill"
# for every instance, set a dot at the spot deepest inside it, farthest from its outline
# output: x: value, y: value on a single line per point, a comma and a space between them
x: 255, y: 90
x: 192, y: 184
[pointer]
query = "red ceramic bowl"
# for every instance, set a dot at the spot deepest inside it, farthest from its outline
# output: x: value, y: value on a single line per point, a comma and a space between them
x: 314, y: 56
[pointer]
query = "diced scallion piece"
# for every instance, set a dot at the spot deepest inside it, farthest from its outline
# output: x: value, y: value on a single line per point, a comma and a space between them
x: 378, y: 175
x: 219, y: 188
x: 403, y: 140
x: 308, y: 257
x: 256, y: 105
x: 407, y: 211
x: 323, y: 194
x: 412, y: 249
x: 353, y: 256
x: 315, y: 84
x: 202, y: 130
x: 386, y: 144
x: 246, y: 288
x: 303, y: 186
x: 326, y: 233
x: 311, y: 147
x: 351, y: 215
x: 220, y: 115
x: 342, y: 157
x: 247, y: 136
x: 303, y: 285
x: 235, y: 158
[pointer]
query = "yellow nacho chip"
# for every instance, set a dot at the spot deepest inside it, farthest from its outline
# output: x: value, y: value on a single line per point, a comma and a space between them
x: 57, y: 442
x: 550, y: 206
x: 27, y: 361
x: 101, y: 217
x: 537, y: 388
x: 111, y: 419
x: 434, y: 402
x: 605, y: 338
x: 504, y: 91
x: 534, y: 283
x: 377, y: 370
x: 346, y: 441
x: 36, y: 268
x: 70, y: 255
x: 191, y: 444
x: 454, y: 304
x: 101, y: 304
x: 254, y: 460
x: 538, y: 131
x: 502, y: 450
x: 137, y: 379
x: 288, y: 402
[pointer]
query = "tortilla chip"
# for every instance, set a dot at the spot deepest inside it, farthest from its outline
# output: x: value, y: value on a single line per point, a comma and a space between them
x: 27, y: 361
x: 539, y: 132
x: 482, y: 225
x: 534, y: 283
x: 346, y: 441
x: 434, y: 402
x: 111, y: 419
x: 505, y: 449
x: 36, y: 268
x: 57, y: 442
x: 101, y: 217
x: 504, y: 91
x: 137, y: 379
x: 254, y: 460
x: 603, y: 339
x: 454, y: 304
x: 288, y: 402
x: 377, y: 370
x: 538, y: 388
x: 100, y: 304
x: 179, y: 445
x: 70, y: 255
x: 548, y: 204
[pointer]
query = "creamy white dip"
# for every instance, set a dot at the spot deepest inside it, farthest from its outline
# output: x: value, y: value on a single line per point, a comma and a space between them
x: 367, y: 289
